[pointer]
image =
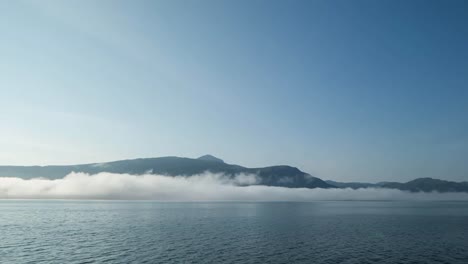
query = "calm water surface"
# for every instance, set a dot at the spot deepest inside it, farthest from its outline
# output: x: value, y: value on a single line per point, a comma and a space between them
x: 155, y: 232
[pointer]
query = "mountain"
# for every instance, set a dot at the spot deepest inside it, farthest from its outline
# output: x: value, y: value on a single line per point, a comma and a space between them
x: 283, y: 176
x: 417, y: 185
x: 210, y: 158
x: 428, y: 185
x: 352, y: 185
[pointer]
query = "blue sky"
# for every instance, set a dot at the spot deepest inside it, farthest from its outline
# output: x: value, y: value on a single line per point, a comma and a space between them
x: 345, y: 90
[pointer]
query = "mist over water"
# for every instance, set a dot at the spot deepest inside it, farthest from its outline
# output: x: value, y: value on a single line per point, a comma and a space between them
x: 203, y: 187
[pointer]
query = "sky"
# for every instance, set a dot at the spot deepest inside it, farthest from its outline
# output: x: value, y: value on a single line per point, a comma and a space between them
x: 344, y: 90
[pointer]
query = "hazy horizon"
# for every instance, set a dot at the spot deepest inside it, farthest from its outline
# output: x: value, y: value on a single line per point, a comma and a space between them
x: 202, y: 187
x: 360, y: 90
x: 207, y: 172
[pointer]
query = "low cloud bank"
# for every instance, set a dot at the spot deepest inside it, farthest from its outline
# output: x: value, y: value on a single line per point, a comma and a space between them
x: 203, y: 187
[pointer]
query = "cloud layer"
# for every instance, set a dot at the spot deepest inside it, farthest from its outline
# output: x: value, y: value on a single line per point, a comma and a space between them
x: 203, y: 187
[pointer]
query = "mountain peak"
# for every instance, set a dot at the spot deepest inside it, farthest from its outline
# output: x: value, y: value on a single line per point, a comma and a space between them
x: 209, y: 157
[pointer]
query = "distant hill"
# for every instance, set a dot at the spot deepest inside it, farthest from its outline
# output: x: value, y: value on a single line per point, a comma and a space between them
x: 283, y: 176
x: 428, y: 185
x: 210, y: 158
x: 417, y: 185
x: 352, y: 185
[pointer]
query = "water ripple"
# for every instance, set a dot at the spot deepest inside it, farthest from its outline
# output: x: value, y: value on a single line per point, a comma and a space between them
x: 151, y: 232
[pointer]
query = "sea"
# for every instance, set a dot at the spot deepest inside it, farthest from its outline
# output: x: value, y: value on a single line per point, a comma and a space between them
x: 57, y: 231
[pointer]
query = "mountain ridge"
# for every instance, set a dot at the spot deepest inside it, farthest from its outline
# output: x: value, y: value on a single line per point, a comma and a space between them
x: 424, y: 184
x: 278, y: 175
x: 210, y: 158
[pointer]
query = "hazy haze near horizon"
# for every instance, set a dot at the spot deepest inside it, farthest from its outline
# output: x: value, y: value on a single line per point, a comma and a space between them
x: 202, y: 187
